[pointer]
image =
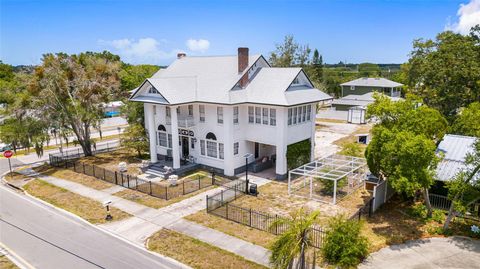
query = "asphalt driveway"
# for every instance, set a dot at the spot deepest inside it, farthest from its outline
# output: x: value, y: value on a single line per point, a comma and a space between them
x: 452, y: 252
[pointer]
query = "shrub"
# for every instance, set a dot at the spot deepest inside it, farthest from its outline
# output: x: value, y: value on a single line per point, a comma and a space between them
x: 419, y: 211
x: 298, y: 153
x: 343, y: 245
x: 352, y: 149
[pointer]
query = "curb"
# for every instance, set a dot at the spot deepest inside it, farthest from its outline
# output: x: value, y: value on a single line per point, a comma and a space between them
x: 71, y: 215
x: 15, y: 258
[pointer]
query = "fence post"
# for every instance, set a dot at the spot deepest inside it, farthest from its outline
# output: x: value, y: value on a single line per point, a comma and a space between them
x: 93, y: 170
x: 74, y: 169
x: 199, y: 183
x: 122, y: 178
x: 226, y: 210
x: 166, y: 193
x: 250, y: 220
x: 116, y: 178
x: 83, y: 168
x: 128, y: 181
x: 136, y: 182
x: 370, y: 207
x: 276, y: 224
x: 150, y: 183
x: 183, y: 184
x: 104, y: 176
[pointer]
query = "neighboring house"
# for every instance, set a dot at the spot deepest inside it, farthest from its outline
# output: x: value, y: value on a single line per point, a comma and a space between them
x: 454, y: 149
x: 362, y: 86
x: 214, y: 110
x: 355, y: 100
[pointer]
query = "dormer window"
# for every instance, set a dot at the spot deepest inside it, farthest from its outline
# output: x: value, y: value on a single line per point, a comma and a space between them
x: 296, y: 81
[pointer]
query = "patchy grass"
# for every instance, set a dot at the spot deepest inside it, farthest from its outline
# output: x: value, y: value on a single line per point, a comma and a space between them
x: 196, y: 253
x: 70, y: 175
x: 320, y: 120
x: 243, y: 232
x: 345, y: 142
x: 5, y: 263
x: 273, y: 199
x: 16, y: 179
x: 110, y: 160
x: 83, y: 207
x: 150, y: 201
x: 393, y: 224
x: 354, y: 201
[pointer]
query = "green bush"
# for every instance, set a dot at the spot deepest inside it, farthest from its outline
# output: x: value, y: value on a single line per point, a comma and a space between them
x: 419, y: 211
x: 298, y: 154
x: 328, y: 185
x: 352, y: 149
x: 343, y: 244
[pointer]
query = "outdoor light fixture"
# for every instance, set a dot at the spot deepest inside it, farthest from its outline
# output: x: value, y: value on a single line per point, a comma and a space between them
x: 246, y: 156
x: 107, y: 205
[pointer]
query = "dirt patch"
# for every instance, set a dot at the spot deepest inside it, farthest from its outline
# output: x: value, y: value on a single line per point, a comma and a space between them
x: 195, y: 253
x: 5, y: 263
x: 83, y: 207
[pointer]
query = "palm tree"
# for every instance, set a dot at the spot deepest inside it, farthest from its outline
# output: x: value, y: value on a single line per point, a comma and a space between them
x: 294, y: 242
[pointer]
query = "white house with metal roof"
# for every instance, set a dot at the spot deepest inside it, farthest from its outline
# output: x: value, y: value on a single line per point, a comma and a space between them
x: 214, y: 110
x: 364, y: 85
x: 454, y: 149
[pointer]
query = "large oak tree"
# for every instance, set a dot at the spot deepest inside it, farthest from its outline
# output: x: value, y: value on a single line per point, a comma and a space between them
x: 70, y: 90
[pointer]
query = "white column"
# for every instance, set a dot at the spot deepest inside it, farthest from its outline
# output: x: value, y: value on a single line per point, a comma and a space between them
x: 150, y: 119
x: 175, y: 140
x: 228, y: 165
x: 313, y: 117
x: 281, y: 143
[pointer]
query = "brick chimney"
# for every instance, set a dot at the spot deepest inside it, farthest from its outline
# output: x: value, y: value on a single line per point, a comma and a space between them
x: 242, y: 64
x: 180, y: 55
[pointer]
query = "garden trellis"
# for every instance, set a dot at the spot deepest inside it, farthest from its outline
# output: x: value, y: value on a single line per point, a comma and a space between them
x: 328, y: 179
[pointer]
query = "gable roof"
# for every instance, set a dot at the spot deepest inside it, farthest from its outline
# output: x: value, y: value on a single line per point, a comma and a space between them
x: 455, y: 148
x: 372, y: 82
x: 213, y: 80
x: 359, y: 99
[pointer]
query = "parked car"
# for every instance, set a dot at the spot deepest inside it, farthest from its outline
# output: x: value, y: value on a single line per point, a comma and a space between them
x: 4, y: 147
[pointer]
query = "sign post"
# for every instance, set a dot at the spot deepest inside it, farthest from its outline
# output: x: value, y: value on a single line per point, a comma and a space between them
x: 8, y: 154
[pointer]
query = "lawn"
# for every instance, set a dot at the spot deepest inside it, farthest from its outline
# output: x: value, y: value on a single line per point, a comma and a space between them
x: 5, y: 263
x: 273, y: 199
x: 243, y: 232
x: 150, y: 201
x: 393, y: 224
x: 196, y: 253
x: 83, y: 207
x: 70, y: 175
x: 16, y: 179
x: 344, y: 142
x: 110, y: 160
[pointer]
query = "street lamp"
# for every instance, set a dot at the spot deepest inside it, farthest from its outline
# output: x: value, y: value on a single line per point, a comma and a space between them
x: 246, y: 156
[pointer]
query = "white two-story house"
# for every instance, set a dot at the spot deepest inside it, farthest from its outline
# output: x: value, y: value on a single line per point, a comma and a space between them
x: 214, y: 110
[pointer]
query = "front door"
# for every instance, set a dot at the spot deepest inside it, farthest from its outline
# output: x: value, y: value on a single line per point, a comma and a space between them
x: 185, y: 147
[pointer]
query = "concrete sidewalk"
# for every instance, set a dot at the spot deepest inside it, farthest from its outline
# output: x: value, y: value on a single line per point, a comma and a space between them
x: 146, y: 220
x: 452, y: 252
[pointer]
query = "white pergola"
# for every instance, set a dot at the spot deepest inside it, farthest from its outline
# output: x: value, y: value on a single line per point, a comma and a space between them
x: 334, y: 168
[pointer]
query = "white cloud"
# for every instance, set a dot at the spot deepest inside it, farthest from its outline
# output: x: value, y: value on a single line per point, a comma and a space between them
x: 141, y: 51
x: 468, y: 16
x: 200, y: 45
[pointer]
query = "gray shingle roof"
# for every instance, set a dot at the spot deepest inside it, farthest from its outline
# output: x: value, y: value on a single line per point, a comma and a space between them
x: 455, y: 148
x: 212, y: 79
x: 372, y: 82
x: 359, y: 100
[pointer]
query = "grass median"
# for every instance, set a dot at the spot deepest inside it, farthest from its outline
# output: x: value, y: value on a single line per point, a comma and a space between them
x: 196, y: 253
x: 5, y: 263
x: 86, y: 208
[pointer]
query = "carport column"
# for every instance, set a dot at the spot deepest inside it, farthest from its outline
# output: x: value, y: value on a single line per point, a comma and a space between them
x: 152, y: 133
x: 175, y: 139
x: 228, y: 165
x: 281, y: 143
x: 313, y: 117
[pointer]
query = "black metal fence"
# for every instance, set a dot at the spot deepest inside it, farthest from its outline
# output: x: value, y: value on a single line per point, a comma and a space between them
x: 220, y: 205
x: 365, y: 211
x: 78, y: 153
x: 159, y: 190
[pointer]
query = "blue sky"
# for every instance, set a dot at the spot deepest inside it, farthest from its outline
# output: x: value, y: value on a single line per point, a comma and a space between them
x: 154, y: 31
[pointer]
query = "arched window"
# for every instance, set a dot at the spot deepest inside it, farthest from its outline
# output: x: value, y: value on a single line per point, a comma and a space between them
x: 163, y: 138
x: 211, y: 136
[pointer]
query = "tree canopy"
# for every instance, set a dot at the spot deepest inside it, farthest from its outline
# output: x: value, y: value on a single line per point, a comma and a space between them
x: 445, y: 72
x: 468, y: 121
x: 71, y: 90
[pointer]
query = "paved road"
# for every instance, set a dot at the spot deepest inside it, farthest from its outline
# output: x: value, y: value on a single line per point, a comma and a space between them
x: 48, y: 238
x: 438, y: 253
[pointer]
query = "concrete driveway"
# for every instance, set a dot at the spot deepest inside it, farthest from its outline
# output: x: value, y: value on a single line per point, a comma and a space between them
x: 452, y: 252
